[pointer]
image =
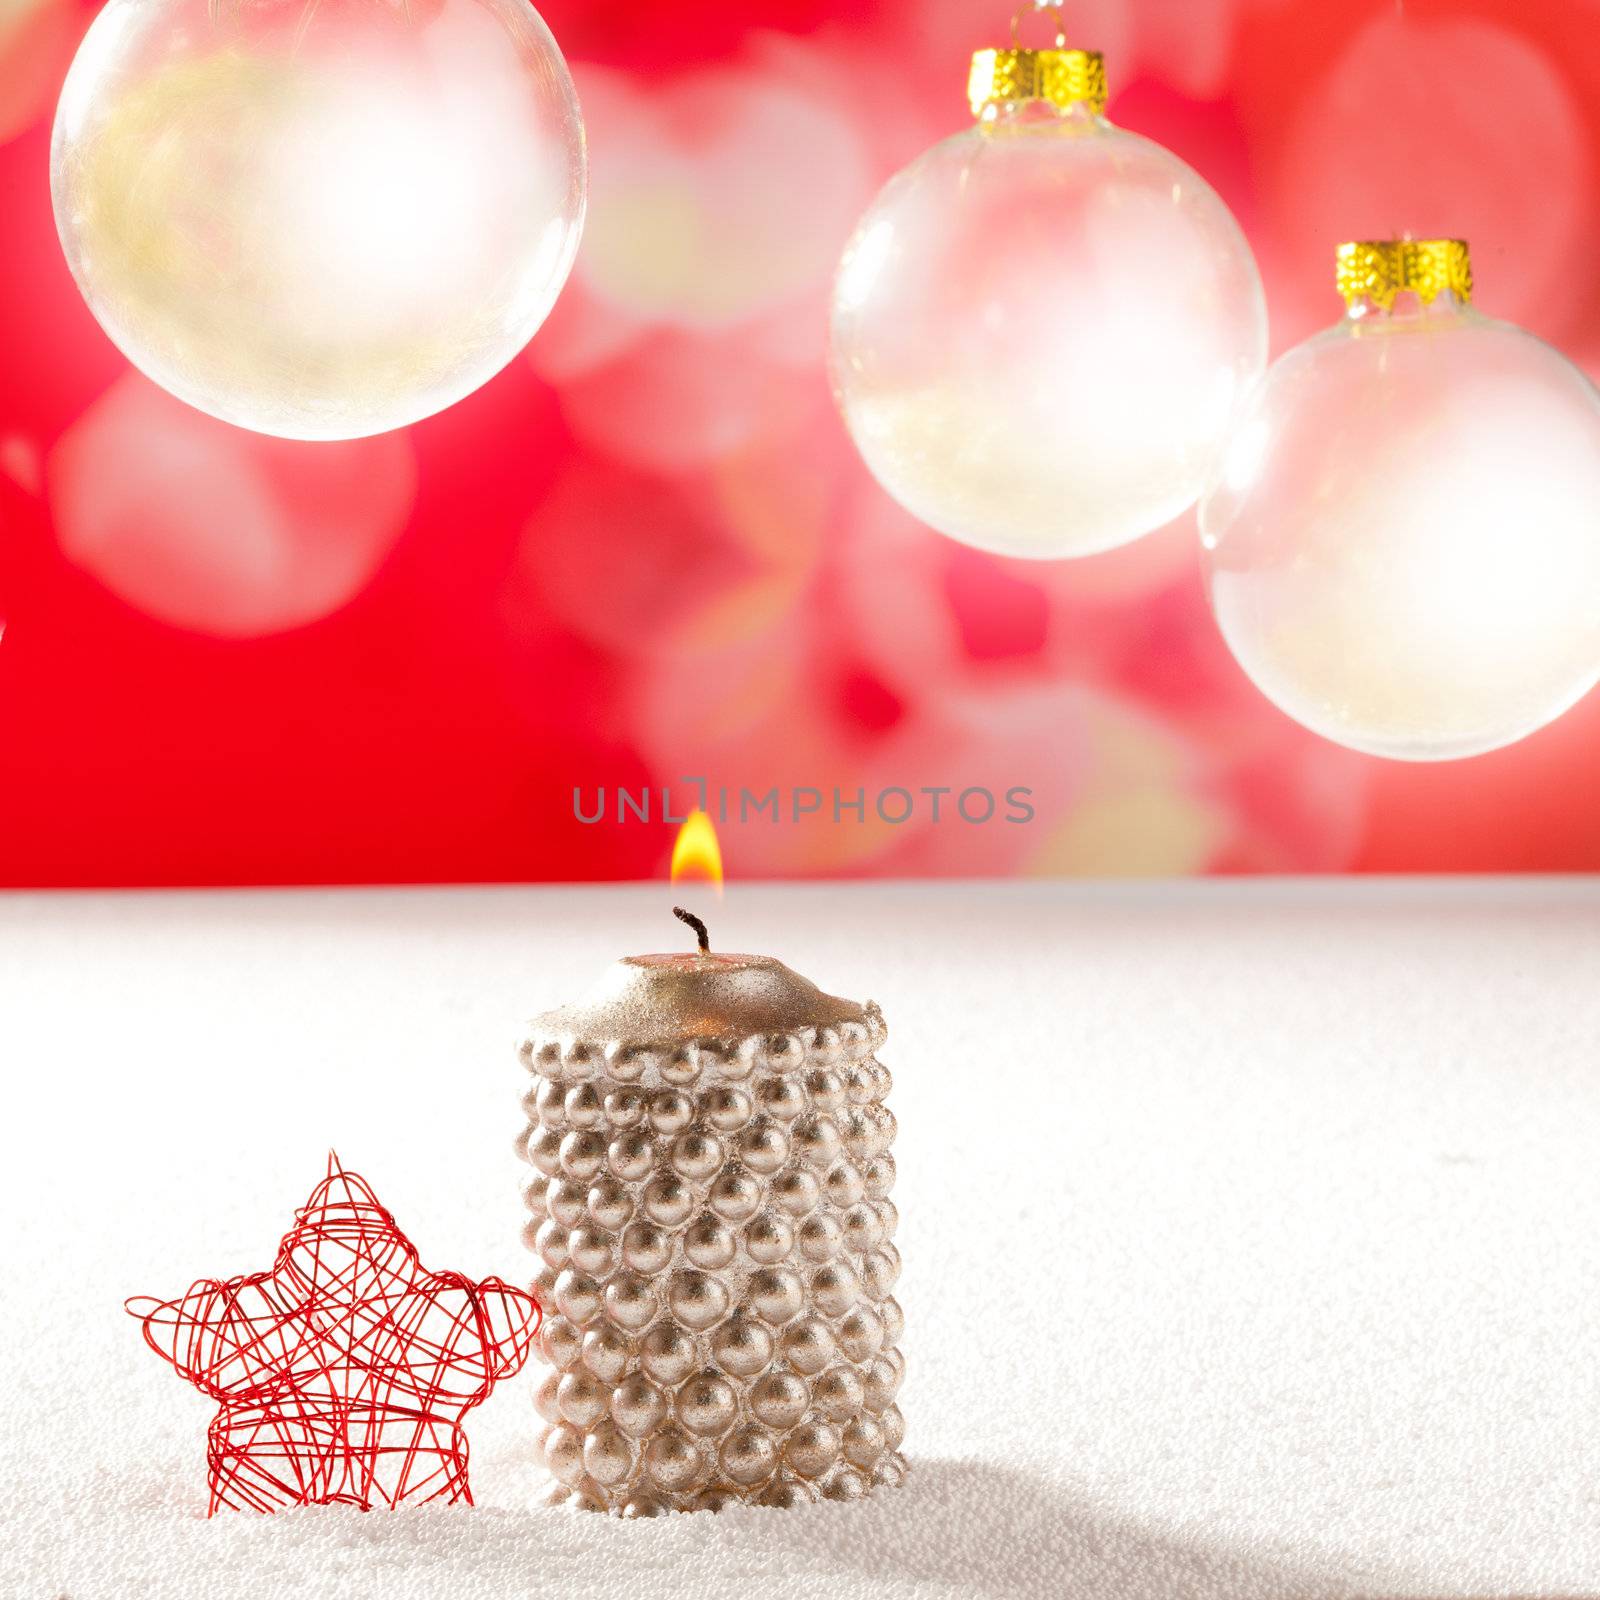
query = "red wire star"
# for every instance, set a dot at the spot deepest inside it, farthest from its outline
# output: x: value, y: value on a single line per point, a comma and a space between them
x: 344, y: 1372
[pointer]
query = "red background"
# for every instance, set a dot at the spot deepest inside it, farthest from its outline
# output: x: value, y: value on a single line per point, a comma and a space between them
x: 646, y: 549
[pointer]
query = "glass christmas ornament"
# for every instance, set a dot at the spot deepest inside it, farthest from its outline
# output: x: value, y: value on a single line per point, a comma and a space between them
x: 1042, y: 328
x: 1404, y: 542
x: 319, y: 218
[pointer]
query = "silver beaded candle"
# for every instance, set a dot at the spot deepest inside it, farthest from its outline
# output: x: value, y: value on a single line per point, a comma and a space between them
x: 712, y: 1210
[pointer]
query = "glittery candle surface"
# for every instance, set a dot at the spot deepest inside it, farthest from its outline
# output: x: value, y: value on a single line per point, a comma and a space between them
x: 711, y: 1205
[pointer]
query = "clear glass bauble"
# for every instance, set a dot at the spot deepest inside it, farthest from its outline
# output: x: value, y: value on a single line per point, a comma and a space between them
x: 1041, y: 332
x: 1404, y: 543
x: 319, y: 218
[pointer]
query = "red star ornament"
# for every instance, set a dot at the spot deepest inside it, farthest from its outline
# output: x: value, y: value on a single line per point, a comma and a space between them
x: 342, y: 1375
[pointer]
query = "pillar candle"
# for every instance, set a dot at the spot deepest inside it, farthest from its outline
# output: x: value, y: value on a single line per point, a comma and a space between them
x: 711, y: 1207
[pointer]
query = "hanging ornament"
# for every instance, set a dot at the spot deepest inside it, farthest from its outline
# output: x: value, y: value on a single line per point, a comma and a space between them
x: 1043, y: 326
x: 1404, y: 542
x: 319, y: 218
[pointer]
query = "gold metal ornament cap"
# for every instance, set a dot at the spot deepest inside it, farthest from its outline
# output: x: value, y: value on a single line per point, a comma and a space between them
x: 1378, y: 270
x: 1064, y: 77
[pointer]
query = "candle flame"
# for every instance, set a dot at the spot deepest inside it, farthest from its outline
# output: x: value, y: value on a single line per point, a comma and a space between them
x: 697, y: 853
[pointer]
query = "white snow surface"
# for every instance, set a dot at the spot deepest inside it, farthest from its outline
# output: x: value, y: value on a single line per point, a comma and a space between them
x: 1251, y: 1231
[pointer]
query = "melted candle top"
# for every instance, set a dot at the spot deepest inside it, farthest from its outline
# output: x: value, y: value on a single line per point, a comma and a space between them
x: 660, y: 999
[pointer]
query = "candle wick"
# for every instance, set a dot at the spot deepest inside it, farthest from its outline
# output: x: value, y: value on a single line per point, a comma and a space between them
x: 698, y: 926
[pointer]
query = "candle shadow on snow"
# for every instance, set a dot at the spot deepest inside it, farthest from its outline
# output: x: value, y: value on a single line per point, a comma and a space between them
x: 960, y: 1528
x: 991, y: 1531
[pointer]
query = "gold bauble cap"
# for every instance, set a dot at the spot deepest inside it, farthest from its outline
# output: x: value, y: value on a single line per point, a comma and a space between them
x: 1377, y: 270
x: 1065, y: 78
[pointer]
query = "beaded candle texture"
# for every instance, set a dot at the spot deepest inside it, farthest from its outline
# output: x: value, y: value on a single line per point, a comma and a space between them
x: 712, y: 1209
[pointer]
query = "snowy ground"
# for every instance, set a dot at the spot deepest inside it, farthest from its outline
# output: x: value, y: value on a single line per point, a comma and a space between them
x: 1252, y: 1232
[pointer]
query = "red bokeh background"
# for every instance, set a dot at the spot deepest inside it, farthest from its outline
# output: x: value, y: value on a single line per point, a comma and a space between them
x: 646, y: 549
